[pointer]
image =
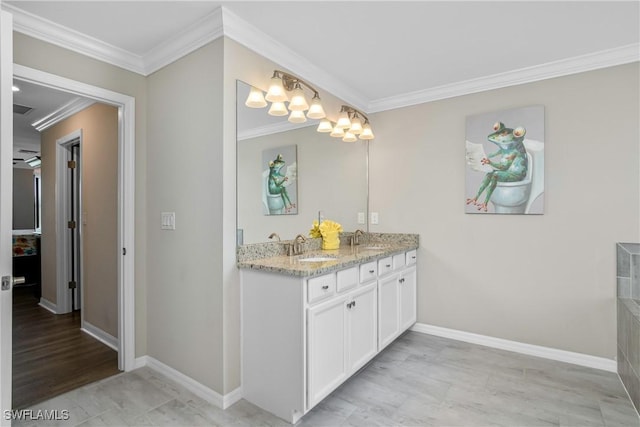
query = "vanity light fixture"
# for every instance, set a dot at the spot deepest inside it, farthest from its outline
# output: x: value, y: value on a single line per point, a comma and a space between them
x: 325, y: 125
x: 255, y: 99
x: 297, y: 116
x: 350, y: 123
x: 285, y: 87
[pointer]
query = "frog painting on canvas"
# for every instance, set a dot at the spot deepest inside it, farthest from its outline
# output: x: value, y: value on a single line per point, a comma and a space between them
x: 511, y: 161
x: 505, y: 161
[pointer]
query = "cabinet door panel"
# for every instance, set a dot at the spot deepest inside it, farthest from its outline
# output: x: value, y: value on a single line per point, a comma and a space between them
x: 327, y: 366
x: 388, y: 306
x: 407, y: 298
x: 363, y: 327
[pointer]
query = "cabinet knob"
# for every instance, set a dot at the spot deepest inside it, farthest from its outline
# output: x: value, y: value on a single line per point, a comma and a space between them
x: 325, y: 287
x: 372, y: 271
x: 401, y: 280
x: 388, y: 265
x: 413, y: 257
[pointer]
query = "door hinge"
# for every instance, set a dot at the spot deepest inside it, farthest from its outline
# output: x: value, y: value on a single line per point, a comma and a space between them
x: 72, y: 285
x: 71, y: 164
x: 71, y: 224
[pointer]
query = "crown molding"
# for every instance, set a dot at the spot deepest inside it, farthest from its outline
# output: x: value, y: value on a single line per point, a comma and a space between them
x: 193, y: 37
x: 50, y: 32
x: 67, y: 110
x: 271, y: 129
x: 223, y: 22
x: 578, y: 64
x: 247, y: 35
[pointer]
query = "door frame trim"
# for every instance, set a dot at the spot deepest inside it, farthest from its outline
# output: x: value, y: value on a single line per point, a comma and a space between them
x: 63, y: 240
x: 126, y: 196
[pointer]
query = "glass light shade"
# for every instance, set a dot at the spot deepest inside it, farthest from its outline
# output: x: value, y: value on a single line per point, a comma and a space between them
x: 298, y: 101
x: 315, y: 110
x: 356, y: 126
x: 278, y: 109
x: 349, y: 137
x: 344, y: 122
x: 297, y: 117
x: 276, y: 92
x: 367, y: 133
x: 255, y: 99
x: 337, y: 132
x: 324, y: 125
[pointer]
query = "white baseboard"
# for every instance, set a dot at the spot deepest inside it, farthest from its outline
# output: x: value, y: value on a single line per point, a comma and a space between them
x: 48, y: 305
x: 190, y: 384
x: 518, y: 347
x: 105, y: 338
x: 140, y: 362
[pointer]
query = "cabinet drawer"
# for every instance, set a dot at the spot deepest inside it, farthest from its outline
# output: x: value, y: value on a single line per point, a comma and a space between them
x: 321, y: 287
x: 385, y: 265
x: 412, y: 257
x: 399, y: 261
x: 347, y: 279
x: 368, y: 271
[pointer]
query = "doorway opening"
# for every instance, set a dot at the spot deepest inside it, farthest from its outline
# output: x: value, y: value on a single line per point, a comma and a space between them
x: 70, y: 205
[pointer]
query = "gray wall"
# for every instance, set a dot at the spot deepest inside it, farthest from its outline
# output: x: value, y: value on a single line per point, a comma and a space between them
x: 99, y: 164
x: 549, y: 279
x: 23, y: 199
x: 185, y: 176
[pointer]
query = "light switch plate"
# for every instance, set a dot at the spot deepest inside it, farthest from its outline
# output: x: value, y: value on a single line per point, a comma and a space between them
x: 168, y: 220
x: 361, y: 218
x: 374, y: 218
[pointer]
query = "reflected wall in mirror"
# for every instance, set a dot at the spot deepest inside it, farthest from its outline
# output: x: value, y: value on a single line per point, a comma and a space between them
x: 331, y: 175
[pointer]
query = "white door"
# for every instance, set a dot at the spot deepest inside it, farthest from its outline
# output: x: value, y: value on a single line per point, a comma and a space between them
x: 327, y: 365
x: 407, y: 298
x: 388, y: 316
x: 6, y: 209
x: 362, y: 337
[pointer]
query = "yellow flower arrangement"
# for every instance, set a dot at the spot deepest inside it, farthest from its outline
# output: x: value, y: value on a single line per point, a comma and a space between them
x: 329, y: 231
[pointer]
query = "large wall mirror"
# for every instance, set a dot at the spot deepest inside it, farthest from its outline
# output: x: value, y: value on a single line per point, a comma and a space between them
x: 330, y: 175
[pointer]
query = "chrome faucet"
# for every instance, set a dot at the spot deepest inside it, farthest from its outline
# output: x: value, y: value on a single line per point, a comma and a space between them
x: 356, y: 236
x: 272, y: 235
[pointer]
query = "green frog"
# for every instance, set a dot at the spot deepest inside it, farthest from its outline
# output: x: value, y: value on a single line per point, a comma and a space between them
x: 511, y: 165
x: 277, y: 181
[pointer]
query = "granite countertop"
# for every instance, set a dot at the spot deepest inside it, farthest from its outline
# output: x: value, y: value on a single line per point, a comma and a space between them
x: 345, y: 256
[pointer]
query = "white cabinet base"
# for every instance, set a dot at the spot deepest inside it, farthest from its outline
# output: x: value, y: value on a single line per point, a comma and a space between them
x: 302, y: 338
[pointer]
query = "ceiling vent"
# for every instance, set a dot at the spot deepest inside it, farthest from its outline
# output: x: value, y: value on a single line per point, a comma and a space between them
x: 21, y: 109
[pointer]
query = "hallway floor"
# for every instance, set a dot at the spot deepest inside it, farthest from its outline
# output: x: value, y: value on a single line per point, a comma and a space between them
x: 51, y: 355
x: 420, y: 380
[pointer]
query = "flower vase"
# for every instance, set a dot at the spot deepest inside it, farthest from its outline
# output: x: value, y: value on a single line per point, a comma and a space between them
x: 330, y: 240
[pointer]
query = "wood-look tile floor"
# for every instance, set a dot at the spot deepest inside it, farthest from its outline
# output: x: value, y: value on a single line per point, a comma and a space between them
x: 420, y: 380
x: 51, y: 355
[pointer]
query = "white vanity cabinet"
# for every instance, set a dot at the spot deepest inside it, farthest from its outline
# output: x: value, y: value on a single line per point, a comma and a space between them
x: 341, y: 337
x: 303, y: 337
x: 397, y: 296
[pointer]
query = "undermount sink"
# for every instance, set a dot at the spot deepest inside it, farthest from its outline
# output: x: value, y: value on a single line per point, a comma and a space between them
x: 317, y: 259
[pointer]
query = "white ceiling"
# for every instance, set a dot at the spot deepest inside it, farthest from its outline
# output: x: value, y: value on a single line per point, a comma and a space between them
x: 374, y: 55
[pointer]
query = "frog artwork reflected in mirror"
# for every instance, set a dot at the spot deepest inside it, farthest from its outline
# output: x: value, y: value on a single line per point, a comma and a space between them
x: 509, y: 180
x: 287, y: 173
x: 280, y: 192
